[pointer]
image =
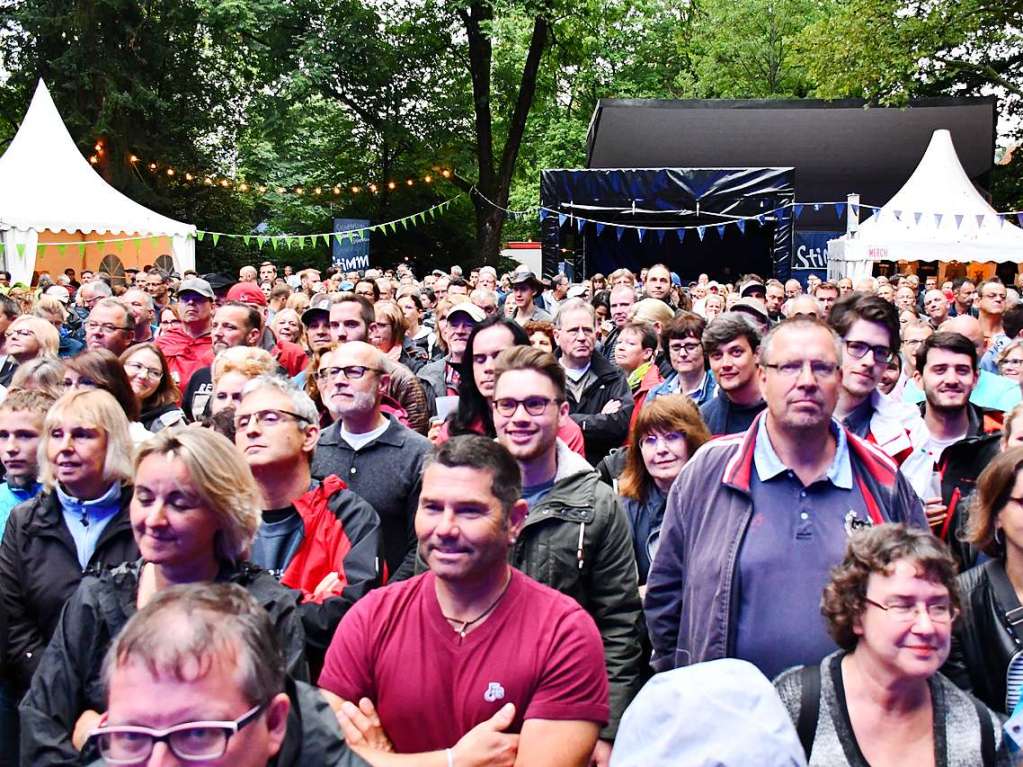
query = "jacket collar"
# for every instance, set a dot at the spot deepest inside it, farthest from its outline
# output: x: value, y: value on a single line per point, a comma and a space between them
x: 739, y: 469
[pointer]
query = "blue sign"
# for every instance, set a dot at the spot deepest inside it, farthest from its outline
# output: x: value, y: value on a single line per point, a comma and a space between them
x: 810, y: 253
x: 351, y: 254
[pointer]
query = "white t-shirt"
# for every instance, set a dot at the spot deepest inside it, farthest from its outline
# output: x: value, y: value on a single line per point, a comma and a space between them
x: 359, y: 441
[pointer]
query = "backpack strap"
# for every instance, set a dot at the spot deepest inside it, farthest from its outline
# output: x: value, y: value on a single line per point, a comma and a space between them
x: 987, y: 734
x: 809, y: 706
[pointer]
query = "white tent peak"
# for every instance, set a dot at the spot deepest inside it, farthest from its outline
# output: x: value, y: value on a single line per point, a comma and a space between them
x: 46, y: 183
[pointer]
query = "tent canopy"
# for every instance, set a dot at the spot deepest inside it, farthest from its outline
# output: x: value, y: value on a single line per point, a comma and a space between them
x: 937, y: 215
x: 47, y: 185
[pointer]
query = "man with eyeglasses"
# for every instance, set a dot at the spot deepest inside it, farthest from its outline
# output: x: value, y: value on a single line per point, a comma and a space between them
x: 869, y: 328
x: 990, y: 302
x: 374, y: 453
x: 189, y: 346
x: 621, y: 300
x: 599, y: 397
x: 569, y: 552
x: 757, y: 520
x: 316, y: 537
x: 111, y: 325
x: 85, y: 299
x: 197, y: 677
x: 730, y: 343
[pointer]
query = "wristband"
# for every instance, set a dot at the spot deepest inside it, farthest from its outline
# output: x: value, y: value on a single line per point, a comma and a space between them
x: 451, y: 757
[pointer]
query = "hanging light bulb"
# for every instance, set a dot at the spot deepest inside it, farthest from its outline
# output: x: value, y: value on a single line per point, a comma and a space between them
x: 391, y: 185
x: 152, y: 166
x: 317, y: 190
x: 446, y: 173
x: 189, y: 177
x: 225, y: 183
x: 133, y: 158
x: 355, y: 190
x: 209, y: 181
x: 243, y: 187
x: 93, y: 159
x: 299, y: 190
x: 170, y: 171
x: 428, y: 179
x: 337, y: 190
x: 373, y: 188
x: 410, y: 182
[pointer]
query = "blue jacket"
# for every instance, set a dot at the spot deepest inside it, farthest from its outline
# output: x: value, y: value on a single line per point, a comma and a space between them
x: 690, y: 601
x: 670, y: 386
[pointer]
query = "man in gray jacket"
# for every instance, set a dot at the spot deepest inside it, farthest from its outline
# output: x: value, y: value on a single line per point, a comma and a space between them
x: 755, y: 521
x: 576, y: 537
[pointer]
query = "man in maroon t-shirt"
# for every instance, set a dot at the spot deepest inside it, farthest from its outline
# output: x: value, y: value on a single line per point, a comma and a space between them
x: 472, y: 662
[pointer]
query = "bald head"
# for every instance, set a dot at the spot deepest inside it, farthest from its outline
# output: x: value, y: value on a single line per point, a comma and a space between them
x: 803, y: 305
x: 967, y: 326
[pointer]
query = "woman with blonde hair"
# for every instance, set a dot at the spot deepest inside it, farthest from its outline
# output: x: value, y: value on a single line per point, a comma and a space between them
x: 232, y: 369
x: 79, y: 520
x: 194, y: 515
x: 299, y: 301
x: 387, y: 334
x: 287, y: 326
x: 44, y: 374
x: 27, y: 338
x: 664, y: 437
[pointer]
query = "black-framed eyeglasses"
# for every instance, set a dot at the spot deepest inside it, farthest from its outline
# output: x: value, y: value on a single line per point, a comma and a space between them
x: 905, y: 612
x: 269, y: 417
x: 189, y: 741
x: 106, y: 327
x: 859, y: 349
x: 350, y: 372
x: 506, y: 406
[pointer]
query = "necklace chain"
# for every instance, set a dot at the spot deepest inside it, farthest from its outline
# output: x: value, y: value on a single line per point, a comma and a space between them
x: 460, y: 630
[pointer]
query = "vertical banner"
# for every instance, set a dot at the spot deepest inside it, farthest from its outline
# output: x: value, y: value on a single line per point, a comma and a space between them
x: 352, y: 252
x: 810, y: 253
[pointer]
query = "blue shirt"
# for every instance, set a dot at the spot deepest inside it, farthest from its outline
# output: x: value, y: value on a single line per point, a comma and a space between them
x: 12, y: 496
x: 796, y: 535
x: 86, y: 520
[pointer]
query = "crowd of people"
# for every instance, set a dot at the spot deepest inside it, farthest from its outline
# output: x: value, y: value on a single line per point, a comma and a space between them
x: 463, y: 518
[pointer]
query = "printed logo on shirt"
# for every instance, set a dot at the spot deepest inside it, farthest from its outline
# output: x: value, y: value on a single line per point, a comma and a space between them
x: 494, y: 692
x: 853, y: 523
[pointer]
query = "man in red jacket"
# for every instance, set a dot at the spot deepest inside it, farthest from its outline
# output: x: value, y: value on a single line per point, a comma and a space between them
x: 289, y: 356
x: 319, y: 538
x: 189, y: 346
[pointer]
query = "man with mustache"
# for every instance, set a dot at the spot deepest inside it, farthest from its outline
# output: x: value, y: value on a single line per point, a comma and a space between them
x: 755, y: 521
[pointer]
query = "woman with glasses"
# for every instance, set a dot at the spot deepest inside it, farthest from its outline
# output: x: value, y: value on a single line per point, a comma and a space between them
x: 80, y: 520
x: 101, y: 369
x: 150, y: 379
x: 194, y: 514
x: 986, y: 657
x: 666, y: 434
x: 27, y: 338
x: 232, y: 369
x: 681, y: 339
x: 1010, y: 361
x: 880, y: 700
x: 170, y: 318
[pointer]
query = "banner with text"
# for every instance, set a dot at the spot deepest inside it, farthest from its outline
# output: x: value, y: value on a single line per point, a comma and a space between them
x: 351, y: 253
x: 810, y: 253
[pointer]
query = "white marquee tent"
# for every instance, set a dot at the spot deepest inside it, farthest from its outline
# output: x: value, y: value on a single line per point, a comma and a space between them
x: 48, y: 187
x: 938, y: 215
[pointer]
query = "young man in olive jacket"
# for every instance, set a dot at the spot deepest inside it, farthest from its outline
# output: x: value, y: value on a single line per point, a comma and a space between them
x: 576, y: 537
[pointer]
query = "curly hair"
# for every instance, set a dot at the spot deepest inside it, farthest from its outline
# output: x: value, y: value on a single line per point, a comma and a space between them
x: 877, y: 550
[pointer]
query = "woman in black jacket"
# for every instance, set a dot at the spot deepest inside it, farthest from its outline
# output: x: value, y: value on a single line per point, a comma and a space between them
x: 195, y: 512
x: 987, y: 639
x: 150, y: 379
x: 80, y: 520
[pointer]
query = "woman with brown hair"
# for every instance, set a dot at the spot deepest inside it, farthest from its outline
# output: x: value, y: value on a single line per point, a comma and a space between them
x: 150, y: 379
x: 986, y: 657
x: 100, y: 369
x: 666, y: 434
x: 880, y: 698
x: 387, y: 333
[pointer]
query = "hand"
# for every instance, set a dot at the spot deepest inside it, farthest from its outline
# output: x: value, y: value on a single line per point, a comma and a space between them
x: 936, y: 512
x: 329, y: 586
x: 361, y: 727
x: 601, y: 754
x: 612, y: 407
x: 486, y: 745
x: 87, y: 722
x: 434, y: 431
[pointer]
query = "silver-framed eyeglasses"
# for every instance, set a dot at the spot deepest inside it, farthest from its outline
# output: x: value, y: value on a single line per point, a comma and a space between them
x: 906, y: 612
x: 190, y: 741
x: 819, y: 369
x: 138, y: 369
x: 266, y: 418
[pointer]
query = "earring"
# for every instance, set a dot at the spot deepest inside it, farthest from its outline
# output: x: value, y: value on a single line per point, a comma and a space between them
x: 999, y: 541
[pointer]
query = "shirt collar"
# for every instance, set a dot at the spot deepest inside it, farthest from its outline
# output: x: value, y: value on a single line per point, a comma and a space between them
x: 769, y: 465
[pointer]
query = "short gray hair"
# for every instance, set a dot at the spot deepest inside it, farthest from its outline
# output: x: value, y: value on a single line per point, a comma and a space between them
x: 301, y: 402
x: 799, y: 323
x: 572, y: 305
x: 99, y: 288
x: 185, y: 631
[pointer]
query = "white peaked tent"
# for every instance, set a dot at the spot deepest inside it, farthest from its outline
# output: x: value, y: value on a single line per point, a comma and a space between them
x: 938, y: 215
x: 47, y: 187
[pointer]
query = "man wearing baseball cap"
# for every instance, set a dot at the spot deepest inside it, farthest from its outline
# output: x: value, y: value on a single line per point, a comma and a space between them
x: 289, y: 356
x: 526, y: 287
x: 317, y: 323
x: 440, y: 378
x: 189, y: 346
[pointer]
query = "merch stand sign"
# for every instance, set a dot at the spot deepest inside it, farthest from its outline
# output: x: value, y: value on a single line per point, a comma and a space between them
x: 351, y: 253
x: 810, y: 253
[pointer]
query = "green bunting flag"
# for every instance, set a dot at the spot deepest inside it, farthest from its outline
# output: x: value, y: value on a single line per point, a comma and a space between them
x: 155, y: 242
x: 40, y: 249
x: 326, y: 240
x: 260, y: 242
x: 275, y: 242
x: 199, y: 234
x: 215, y: 236
x: 245, y: 239
x: 2, y: 248
x: 119, y: 247
x: 21, y: 249
x: 62, y: 249
x: 81, y: 249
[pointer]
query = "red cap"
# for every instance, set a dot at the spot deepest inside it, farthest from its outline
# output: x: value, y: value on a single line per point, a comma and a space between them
x: 247, y: 293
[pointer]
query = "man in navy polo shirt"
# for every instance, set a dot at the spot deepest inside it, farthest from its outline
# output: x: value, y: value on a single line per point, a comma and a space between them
x: 755, y: 521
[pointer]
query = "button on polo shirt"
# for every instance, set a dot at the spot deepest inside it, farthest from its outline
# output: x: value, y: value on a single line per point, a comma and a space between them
x: 796, y: 535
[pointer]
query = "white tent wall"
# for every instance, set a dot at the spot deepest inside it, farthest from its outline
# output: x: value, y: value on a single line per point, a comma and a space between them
x: 938, y: 215
x: 20, y: 261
